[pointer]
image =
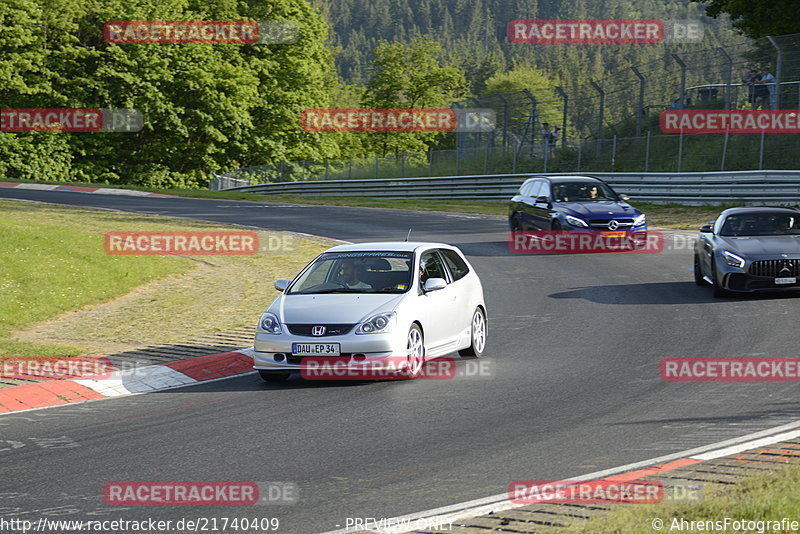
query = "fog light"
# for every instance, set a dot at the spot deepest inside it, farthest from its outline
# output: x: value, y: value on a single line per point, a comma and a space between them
x: 279, y: 357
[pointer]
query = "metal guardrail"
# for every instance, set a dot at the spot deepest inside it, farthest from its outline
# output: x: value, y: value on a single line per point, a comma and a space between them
x: 749, y: 187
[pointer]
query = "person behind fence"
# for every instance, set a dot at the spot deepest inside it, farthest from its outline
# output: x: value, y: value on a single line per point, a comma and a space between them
x: 547, y: 134
x: 554, y: 140
x: 761, y: 92
x: 750, y: 78
x: 768, y: 80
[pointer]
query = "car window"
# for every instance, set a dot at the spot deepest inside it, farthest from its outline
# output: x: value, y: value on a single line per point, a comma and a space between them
x: 539, y: 189
x: 458, y: 268
x: 526, y: 188
x: 356, y: 272
x: 583, y: 191
x: 431, y: 266
x: 760, y: 224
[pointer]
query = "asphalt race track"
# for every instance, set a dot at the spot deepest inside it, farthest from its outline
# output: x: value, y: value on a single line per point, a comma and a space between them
x: 574, y: 347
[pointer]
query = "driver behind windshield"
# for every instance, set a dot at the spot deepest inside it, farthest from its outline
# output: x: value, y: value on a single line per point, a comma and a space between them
x: 350, y: 276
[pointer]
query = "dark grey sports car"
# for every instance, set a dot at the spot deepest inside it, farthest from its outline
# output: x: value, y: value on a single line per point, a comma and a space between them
x: 749, y: 249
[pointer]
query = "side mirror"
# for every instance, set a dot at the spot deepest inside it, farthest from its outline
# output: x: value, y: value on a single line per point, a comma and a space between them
x: 707, y: 229
x: 625, y: 198
x: 281, y: 284
x: 543, y: 200
x: 434, y: 284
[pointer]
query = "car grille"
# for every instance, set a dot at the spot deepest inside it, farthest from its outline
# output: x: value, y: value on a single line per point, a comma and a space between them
x: 775, y: 268
x: 330, y: 329
x: 602, y: 224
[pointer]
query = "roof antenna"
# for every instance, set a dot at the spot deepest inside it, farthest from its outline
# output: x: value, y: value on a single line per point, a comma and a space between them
x: 409, y: 235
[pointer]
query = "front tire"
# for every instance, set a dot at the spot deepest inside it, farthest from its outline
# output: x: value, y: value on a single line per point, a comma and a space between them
x: 514, y: 223
x: 478, y: 333
x: 415, y: 351
x: 698, y: 272
x: 555, y: 226
x: 274, y: 376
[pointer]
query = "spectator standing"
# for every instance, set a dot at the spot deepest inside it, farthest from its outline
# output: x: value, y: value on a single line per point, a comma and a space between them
x: 769, y: 80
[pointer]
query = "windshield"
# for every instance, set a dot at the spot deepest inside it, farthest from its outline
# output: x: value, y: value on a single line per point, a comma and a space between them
x: 760, y: 224
x: 585, y: 191
x: 356, y: 272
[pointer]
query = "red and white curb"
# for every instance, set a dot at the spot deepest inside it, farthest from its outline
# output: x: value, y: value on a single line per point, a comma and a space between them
x: 81, y: 189
x: 634, y: 471
x: 145, y: 379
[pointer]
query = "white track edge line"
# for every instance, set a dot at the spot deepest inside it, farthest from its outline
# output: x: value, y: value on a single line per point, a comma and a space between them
x: 500, y: 502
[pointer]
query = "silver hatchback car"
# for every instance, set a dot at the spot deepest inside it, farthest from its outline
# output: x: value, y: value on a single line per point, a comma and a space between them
x: 391, y: 305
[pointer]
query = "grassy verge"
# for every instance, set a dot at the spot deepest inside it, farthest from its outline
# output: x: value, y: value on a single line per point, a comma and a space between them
x: 768, y: 496
x: 61, y: 294
x: 674, y: 216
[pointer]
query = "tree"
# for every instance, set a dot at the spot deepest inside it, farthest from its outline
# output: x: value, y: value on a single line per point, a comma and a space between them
x: 757, y: 18
x: 410, y: 76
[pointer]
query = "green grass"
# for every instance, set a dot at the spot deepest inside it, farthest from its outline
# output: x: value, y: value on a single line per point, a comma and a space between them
x: 768, y: 496
x: 60, y: 288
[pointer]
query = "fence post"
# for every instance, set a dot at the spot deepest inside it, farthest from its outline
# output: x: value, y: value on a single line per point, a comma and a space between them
x: 647, y: 153
x: 728, y: 77
x: 563, y: 95
x: 486, y: 158
x: 724, y: 149
x: 580, y: 153
x: 680, y: 150
x: 303, y: 171
x: 640, y: 107
x: 761, y: 152
x: 600, y: 119
x: 403, y: 164
x: 327, y: 168
x: 376, y: 165
x: 514, y: 165
x: 430, y: 162
x: 680, y: 62
x: 614, y: 152
x: 350, y: 169
x: 778, y: 73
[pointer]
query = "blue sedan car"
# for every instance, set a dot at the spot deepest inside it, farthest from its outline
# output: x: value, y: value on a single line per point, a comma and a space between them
x: 573, y: 203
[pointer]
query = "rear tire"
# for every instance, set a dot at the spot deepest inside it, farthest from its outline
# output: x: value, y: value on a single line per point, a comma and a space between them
x: 274, y: 376
x: 478, y: 334
x: 698, y: 272
x: 556, y: 226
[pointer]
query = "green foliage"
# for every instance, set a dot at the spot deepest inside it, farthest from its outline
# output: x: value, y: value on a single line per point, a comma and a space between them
x: 205, y: 107
x: 756, y: 18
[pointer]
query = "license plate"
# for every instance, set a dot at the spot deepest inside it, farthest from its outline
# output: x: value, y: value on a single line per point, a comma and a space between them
x: 315, y: 349
x: 788, y: 280
x: 615, y: 234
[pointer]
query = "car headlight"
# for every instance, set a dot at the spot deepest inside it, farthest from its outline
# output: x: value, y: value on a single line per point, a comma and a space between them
x: 574, y: 221
x: 269, y: 323
x: 377, y: 324
x: 640, y: 220
x: 732, y: 259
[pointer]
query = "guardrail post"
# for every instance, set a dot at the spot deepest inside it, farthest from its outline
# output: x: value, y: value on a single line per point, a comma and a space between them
x: 563, y: 94
x: 647, y: 152
x: 778, y: 73
x: 728, y: 77
x: 600, y: 119
x: 640, y: 108
x: 680, y: 62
